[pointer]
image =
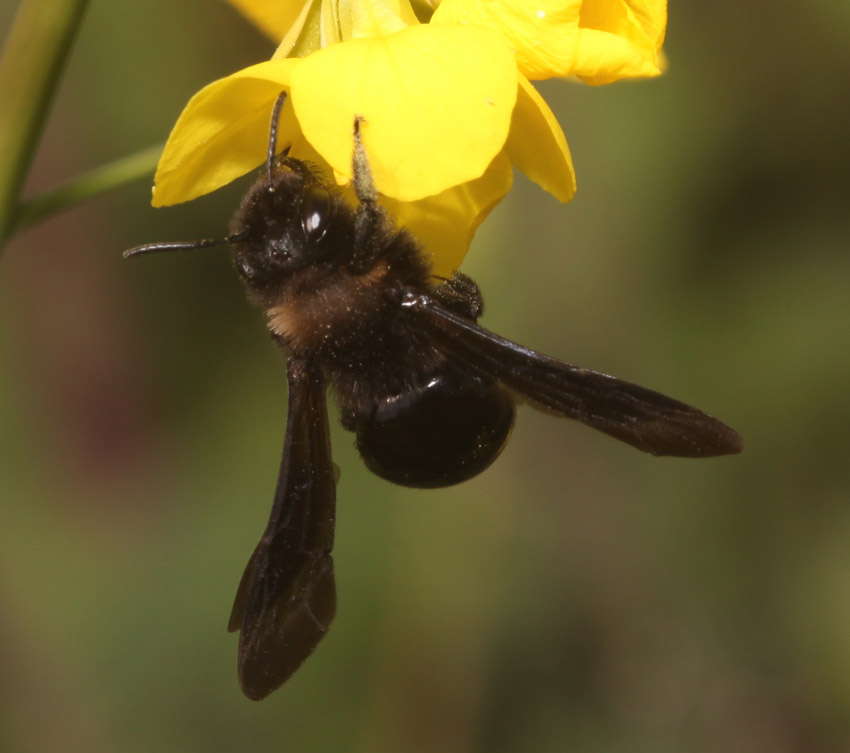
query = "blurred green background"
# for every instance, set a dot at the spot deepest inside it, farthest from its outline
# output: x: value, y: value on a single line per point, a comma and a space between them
x: 577, y: 596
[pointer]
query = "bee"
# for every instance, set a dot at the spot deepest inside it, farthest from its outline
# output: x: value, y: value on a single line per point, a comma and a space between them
x: 428, y: 393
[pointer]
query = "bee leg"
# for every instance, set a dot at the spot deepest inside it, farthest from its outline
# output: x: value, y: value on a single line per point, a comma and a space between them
x: 460, y: 294
x: 364, y: 186
x: 370, y: 220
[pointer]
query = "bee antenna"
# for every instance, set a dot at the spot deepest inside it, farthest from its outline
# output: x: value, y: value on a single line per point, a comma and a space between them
x: 150, y: 248
x: 278, y: 106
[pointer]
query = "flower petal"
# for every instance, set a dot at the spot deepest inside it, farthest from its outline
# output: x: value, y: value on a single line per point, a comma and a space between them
x: 537, y: 145
x: 598, y: 40
x: 436, y: 101
x: 620, y: 39
x: 445, y: 224
x: 542, y: 33
x: 320, y: 22
x: 326, y: 22
x: 641, y: 22
x: 223, y: 133
x: 378, y: 18
x: 602, y: 58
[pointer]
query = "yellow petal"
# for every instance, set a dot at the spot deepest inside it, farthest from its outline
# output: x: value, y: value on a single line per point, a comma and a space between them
x: 223, y: 133
x: 436, y: 102
x: 599, y: 40
x: 319, y: 23
x: 537, y: 145
x: 381, y: 17
x: 542, y: 33
x: 641, y: 22
x: 620, y: 39
x: 445, y: 224
x: 273, y: 17
x: 602, y: 58
x: 325, y: 22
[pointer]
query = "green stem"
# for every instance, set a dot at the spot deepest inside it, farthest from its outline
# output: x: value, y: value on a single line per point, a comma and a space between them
x: 86, y: 186
x: 30, y: 67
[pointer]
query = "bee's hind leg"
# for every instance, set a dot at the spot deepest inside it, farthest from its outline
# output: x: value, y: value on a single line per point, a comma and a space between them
x: 462, y: 295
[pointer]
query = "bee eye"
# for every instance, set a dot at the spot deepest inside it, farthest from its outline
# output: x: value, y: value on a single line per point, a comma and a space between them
x: 315, y: 211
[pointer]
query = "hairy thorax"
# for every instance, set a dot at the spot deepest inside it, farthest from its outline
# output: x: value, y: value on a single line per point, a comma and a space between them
x: 352, y: 323
x: 322, y: 316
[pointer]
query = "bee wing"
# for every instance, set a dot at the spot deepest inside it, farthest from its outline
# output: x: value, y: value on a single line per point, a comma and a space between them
x: 644, y: 419
x: 287, y: 598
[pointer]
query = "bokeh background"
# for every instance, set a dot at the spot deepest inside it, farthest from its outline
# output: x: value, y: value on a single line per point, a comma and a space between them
x: 578, y: 595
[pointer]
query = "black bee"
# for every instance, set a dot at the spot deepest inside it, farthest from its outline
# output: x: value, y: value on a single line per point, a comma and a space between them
x: 425, y: 389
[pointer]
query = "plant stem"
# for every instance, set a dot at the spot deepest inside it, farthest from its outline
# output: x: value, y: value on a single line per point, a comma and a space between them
x: 30, y: 66
x: 87, y: 186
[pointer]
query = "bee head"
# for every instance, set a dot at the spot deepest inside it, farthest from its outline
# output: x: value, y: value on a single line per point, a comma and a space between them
x: 288, y: 222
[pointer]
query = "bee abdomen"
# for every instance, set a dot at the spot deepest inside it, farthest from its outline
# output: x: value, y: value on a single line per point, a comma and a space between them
x: 446, y: 432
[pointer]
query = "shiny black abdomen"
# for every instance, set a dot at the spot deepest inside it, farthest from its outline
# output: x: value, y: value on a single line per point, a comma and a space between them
x: 438, y: 435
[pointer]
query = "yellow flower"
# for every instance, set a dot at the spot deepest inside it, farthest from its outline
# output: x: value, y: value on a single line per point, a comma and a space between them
x: 309, y: 25
x: 448, y: 107
x: 597, y: 40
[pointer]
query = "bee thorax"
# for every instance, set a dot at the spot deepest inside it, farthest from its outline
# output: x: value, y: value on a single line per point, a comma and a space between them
x: 321, y: 317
